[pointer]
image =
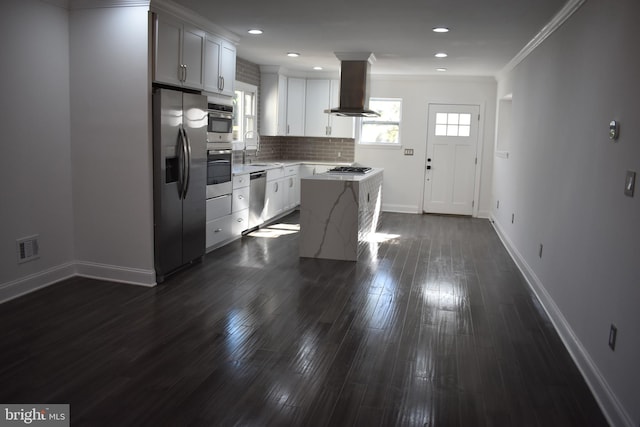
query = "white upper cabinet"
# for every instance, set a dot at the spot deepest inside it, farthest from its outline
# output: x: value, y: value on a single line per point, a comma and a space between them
x: 323, y: 94
x: 219, y: 66
x: 295, y: 106
x: 179, y: 52
x: 273, y: 104
x: 317, y: 100
x: 339, y: 127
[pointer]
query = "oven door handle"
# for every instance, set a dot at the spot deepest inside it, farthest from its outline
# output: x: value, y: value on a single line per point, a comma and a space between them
x: 218, y: 161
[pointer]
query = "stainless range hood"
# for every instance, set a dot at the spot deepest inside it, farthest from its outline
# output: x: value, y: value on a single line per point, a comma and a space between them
x: 354, y: 85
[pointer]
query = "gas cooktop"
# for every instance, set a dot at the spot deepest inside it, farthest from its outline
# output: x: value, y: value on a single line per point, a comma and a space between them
x: 350, y: 169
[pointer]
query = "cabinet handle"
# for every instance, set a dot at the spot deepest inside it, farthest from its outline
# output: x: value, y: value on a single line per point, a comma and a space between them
x: 240, y: 197
x: 290, y: 182
x: 185, y: 73
x: 239, y: 219
x: 222, y: 78
x: 276, y: 187
x: 217, y: 230
x: 287, y: 128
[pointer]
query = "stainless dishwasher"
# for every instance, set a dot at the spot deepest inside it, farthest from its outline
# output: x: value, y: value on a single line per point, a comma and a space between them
x: 257, y: 188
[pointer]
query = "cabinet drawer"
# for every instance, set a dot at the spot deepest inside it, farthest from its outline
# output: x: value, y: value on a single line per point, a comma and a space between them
x: 219, y: 230
x: 240, y: 181
x: 291, y: 170
x: 240, y: 222
x: 218, y: 207
x: 275, y: 173
x: 240, y: 199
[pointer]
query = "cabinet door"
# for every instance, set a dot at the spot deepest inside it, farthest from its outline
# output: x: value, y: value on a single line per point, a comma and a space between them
x: 316, y: 121
x: 168, y: 39
x: 295, y: 106
x: 339, y: 127
x: 273, y: 104
x: 211, y: 64
x: 227, y: 68
x: 193, y: 41
x: 274, y: 200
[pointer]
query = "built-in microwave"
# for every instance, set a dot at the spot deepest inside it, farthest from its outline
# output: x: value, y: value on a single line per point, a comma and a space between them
x: 220, y: 124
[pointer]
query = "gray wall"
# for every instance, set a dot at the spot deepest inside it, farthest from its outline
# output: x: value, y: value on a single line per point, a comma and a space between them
x: 564, y: 182
x: 35, y: 161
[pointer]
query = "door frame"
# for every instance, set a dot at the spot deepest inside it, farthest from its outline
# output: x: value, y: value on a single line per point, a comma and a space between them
x: 479, y: 150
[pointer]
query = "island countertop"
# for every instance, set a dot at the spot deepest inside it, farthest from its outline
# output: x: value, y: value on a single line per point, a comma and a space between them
x: 341, y: 176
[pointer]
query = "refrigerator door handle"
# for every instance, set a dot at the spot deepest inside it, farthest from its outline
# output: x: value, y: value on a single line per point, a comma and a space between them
x: 180, y: 150
x: 187, y: 150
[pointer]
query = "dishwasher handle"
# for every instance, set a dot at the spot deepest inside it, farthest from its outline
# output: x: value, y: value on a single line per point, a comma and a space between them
x: 257, y: 175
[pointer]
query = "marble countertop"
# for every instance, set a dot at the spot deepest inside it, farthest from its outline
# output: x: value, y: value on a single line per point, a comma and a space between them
x: 263, y: 166
x: 328, y: 176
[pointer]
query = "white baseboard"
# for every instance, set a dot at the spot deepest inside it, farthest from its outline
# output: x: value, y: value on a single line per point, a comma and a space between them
x: 606, y: 398
x: 114, y: 273
x: 42, y: 279
x: 33, y: 282
x: 411, y: 209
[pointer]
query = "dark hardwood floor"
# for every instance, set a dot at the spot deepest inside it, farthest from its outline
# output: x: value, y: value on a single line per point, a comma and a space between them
x: 432, y: 327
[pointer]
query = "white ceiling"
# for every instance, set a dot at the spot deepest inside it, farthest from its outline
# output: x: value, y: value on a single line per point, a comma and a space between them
x: 485, y: 34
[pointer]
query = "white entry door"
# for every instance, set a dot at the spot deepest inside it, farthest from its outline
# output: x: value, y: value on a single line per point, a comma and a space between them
x: 451, y: 161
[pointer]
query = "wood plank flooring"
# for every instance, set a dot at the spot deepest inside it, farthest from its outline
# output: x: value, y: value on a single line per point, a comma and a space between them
x: 434, y: 326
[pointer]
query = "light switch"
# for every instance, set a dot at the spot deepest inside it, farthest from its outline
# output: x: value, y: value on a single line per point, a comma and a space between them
x: 630, y: 183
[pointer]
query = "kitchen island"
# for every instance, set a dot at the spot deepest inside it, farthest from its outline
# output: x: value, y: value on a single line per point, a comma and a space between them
x: 338, y: 213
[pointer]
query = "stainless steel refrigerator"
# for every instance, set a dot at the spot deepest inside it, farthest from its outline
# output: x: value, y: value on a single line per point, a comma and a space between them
x: 179, y: 179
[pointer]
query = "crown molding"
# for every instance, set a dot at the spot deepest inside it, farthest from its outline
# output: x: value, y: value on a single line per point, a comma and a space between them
x: 181, y: 12
x: 556, y: 22
x: 96, y: 4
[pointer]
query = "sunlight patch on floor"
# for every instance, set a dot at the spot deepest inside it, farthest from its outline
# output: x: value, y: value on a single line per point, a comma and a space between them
x: 275, y: 230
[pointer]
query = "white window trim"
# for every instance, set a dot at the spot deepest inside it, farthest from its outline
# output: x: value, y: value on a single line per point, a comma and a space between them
x: 391, y: 145
x: 250, y: 142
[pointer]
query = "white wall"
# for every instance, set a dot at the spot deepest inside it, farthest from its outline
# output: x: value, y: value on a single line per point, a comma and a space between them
x: 404, y: 175
x: 35, y: 165
x: 111, y: 143
x: 564, y: 181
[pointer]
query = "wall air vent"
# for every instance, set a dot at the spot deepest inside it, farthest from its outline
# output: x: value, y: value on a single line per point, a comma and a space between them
x: 27, y: 248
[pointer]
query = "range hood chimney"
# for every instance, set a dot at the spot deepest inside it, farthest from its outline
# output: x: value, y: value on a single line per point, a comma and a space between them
x: 354, y: 85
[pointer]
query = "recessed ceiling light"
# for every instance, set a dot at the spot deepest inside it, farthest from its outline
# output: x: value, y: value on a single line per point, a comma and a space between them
x: 441, y: 55
x: 441, y: 69
x: 255, y: 31
x: 317, y: 68
x: 293, y: 54
x: 440, y: 30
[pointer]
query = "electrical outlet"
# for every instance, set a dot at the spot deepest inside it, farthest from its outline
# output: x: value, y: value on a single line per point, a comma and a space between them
x: 339, y: 154
x: 408, y: 151
x: 613, y: 334
x: 27, y: 248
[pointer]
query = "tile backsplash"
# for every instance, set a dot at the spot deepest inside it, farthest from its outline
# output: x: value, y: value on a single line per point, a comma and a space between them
x: 301, y: 148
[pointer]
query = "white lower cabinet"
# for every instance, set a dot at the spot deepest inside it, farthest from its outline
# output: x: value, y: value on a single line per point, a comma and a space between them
x: 240, y: 199
x: 240, y: 221
x: 291, y: 187
x: 219, y: 230
x: 274, y: 198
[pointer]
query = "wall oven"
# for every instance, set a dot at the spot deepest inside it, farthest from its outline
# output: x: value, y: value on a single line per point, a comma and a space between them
x: 220, y: 123
x: 218, y: 173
